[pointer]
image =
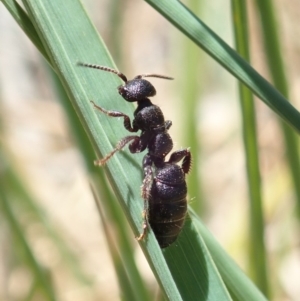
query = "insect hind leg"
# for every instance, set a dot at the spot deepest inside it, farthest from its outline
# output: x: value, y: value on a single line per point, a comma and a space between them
x: 184, y: 154
x: 145, y: 192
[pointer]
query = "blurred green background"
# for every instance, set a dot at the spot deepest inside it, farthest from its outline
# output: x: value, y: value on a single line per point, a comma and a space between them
x: 61, y: 221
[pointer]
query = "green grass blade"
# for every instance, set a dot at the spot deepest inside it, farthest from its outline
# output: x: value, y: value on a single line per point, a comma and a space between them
x: 275, y: 64
x: 126, y: 287
x: 116, y: 17
x: 204, y: 37
x: 257, y: 260
x: 191, y: 62
x: 24, y: 22
x: 97, y: 175
x: 25, y: 203
x: 67, y: 42
x: 240, y: 287
x: 116, y: 219
x: 271, y: 40
x: 43, y: 283
x: 112, y: 211
x: 192, y: 266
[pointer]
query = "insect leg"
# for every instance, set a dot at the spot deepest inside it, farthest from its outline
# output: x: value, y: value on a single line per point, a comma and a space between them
x: 145, y: 191
x: 122, y: 143
x: 148, y: 177
x: 127, y: 123
x: 184, y: 154
x: 140, y: 145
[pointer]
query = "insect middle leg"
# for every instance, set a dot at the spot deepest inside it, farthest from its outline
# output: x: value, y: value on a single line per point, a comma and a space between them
x: 127, y: 123
x: 122, y: 143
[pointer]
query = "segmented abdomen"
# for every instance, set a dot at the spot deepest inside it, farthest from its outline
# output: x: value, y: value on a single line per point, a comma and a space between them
x: 167, y: 204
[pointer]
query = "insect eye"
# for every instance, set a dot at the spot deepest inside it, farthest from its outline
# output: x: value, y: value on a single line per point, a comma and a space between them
x: 126, y: 93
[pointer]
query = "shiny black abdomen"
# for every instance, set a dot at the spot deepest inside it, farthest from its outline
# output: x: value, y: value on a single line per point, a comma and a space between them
x: 167, y: 204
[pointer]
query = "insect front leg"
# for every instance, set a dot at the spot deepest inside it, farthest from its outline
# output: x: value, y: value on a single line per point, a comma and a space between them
x: 127, y: 123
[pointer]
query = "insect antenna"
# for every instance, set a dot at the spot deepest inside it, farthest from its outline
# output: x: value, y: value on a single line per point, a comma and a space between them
x: 121, y: 75
x: 153, y: 75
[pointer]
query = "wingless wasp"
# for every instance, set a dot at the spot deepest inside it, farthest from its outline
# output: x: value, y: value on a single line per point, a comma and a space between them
x: 164, y: 188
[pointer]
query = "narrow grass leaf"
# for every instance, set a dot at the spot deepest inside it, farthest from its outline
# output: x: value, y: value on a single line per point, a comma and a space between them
x: 189, y: 90
x: 110, y: 206
x: 239, y: 285
x: 17, y: 230
x: 24, y: 22
x: 275, y: 64
x: 127, y: 288
x: 203, y: 36
x: 26, y: 203
x: 68, y: 42
x: 257, y: 256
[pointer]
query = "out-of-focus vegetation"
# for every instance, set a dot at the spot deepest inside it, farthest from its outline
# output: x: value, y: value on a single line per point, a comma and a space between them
x: 52, y: 243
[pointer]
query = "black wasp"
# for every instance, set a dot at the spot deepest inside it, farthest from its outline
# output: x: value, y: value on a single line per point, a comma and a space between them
x: 164, y: 188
